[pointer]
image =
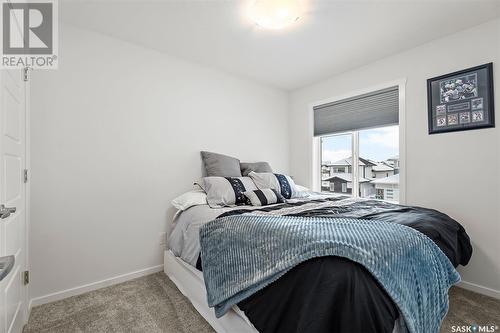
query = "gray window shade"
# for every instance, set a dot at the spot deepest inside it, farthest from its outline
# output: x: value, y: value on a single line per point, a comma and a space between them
x: 375, y: 109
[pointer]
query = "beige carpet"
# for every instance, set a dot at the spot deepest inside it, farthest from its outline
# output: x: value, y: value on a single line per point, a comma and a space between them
x: 154, y: 304
x: 148, y: 304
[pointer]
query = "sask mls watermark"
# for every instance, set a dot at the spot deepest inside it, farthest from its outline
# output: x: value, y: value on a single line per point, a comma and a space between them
x: 29, y: 34
x: 474, y: 328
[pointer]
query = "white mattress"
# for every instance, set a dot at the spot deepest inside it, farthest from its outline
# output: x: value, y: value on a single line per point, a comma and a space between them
x: 184, y: 241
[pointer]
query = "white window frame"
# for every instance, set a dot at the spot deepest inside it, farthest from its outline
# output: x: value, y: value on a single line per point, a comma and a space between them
x: 316, y: 141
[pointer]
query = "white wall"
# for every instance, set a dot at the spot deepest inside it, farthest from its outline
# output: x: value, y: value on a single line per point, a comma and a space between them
x: 116, y: 135
x: 435, y: 177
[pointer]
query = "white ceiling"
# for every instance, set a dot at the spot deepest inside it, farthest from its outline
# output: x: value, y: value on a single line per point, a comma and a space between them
x: 331, y: 37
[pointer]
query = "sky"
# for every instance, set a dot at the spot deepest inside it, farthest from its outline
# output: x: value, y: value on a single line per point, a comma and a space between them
x: 375, y: 144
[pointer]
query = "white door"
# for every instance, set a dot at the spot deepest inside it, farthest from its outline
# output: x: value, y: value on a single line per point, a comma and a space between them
x: 13, y: 294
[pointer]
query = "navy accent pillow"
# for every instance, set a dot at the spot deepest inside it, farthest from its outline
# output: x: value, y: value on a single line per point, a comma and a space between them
x: 238, y: 189
x: 286, y: 189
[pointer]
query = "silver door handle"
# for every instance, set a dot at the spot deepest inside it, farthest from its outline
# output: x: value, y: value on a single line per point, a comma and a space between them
x: 6, y: 211
x: 6, y: 264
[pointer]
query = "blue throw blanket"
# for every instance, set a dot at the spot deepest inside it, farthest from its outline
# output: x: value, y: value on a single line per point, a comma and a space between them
x: 243, y: 254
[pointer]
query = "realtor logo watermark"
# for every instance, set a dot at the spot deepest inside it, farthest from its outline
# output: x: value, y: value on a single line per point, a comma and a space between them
x: 29, y: 34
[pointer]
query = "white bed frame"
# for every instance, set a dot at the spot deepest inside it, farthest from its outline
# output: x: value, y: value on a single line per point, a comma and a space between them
x: 191, y: 284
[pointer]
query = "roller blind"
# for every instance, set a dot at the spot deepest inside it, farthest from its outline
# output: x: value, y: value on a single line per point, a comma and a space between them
x: 375, y: 109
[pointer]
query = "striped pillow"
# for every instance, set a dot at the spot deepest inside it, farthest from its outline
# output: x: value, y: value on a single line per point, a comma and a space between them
x: 283, y: 184
x: 264, y: 197
x: 226, y: 191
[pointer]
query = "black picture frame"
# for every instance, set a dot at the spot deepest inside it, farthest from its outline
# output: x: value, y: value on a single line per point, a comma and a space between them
x: 461, y: 101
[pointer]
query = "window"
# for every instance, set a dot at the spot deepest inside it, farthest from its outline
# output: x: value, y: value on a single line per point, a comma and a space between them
x: 335, y: 150
x: 375, y: 147
x: 378, y: 148
x: 363, y: 129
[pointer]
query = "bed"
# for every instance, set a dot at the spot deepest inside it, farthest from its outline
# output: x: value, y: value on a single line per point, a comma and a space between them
x: 322, y: 294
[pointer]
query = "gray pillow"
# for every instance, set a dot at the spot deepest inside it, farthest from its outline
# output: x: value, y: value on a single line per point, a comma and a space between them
x: 218, y: 165
x: 226, y: 191
x: 283, y: 184
x: 258, y: 167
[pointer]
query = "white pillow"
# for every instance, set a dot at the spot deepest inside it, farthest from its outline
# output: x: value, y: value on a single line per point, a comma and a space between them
x: 301, y: 188
x: 190, y: 199
x: 302, y: 192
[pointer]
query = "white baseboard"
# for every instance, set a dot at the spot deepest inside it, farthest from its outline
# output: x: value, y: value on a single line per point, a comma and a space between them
x: 146, y: 271
x: 479, y: 289
x: 92, y: 286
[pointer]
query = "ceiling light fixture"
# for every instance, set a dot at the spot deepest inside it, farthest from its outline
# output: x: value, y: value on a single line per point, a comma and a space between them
x: 275, y: 14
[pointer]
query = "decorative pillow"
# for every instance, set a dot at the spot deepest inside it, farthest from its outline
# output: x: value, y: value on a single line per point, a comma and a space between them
x: 302, y: 192
x: 218, y: 165
x: 301, y: 188
x: 264, y: 197
x: 283, y: 184
x: 190, y: 199
x: 246, y: 168
x: 226, y: 191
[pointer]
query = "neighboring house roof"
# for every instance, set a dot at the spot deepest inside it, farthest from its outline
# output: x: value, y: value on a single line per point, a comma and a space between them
x: 367, y: 162
x: 348, y: 162
x: 346, y: 177
x: 394, y: 158
x: 382, y: 167
x: 342, y: 162
x: 394, y: 179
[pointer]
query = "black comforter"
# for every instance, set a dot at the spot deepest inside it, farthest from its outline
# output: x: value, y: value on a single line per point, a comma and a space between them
x: 333, y: 294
